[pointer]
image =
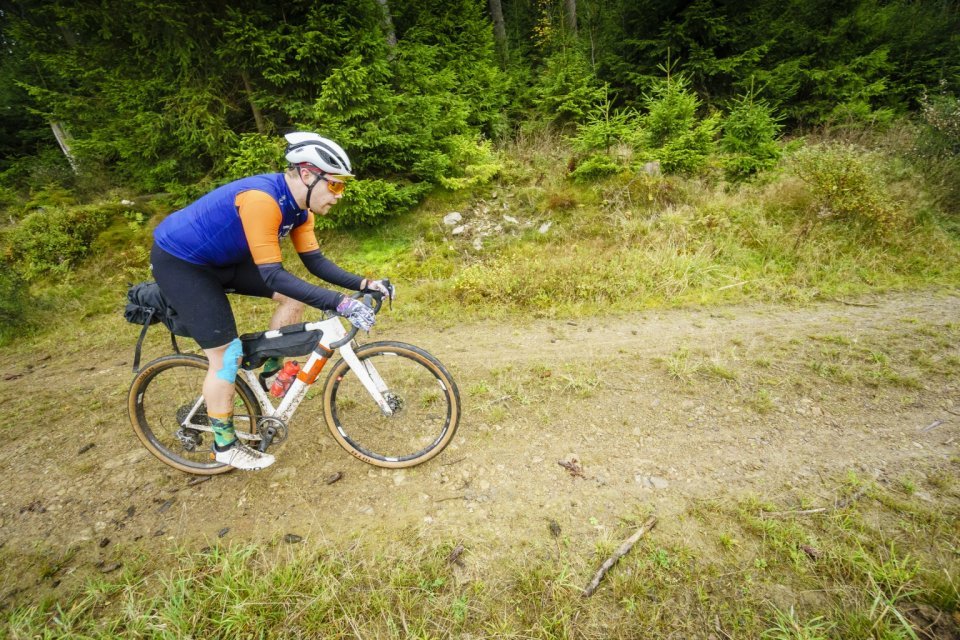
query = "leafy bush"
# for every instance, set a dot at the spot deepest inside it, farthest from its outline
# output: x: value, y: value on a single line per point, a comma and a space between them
x: 605, y: 127
x: 847, y: 184
x: 48, y: 168
x: 938, y: 147
x: 415, y: 120
x: 749, y: 139
x: 53, y: 240
x: 941, y: 114
x: 598, y: 165
x: 471, y: 163
x: 12, y: 301
x: 254, y: 154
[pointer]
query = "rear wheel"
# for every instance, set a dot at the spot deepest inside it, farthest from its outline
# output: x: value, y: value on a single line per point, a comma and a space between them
x: 169, y: 415
x: 421, y: 393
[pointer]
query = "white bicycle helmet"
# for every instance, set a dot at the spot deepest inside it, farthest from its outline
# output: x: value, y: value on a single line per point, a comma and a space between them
x: 304, y: 147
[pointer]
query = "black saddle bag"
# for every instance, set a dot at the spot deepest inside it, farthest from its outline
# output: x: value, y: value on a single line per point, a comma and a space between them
x: 292, y: 340
x: 146, y: 305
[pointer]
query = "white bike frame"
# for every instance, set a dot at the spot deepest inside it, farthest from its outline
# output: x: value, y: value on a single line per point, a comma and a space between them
x: 333, y: 332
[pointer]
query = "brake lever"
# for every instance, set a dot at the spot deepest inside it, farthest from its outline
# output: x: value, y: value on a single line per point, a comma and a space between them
x: 386, y: 283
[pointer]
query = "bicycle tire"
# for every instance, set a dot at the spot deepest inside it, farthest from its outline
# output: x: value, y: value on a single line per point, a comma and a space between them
x: 427, y: 399
x: 158, y: 395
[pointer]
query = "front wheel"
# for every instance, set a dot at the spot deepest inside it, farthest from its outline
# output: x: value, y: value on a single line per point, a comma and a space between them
x: 169, y: 415
x: 423, y: 397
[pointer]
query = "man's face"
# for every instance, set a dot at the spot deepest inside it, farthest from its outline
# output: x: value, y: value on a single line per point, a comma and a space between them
x: 321, y: 197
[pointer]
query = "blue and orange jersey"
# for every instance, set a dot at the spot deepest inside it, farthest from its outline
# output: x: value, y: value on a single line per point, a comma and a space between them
x: 238, y: 221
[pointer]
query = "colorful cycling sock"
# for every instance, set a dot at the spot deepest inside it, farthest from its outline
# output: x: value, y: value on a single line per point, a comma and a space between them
x: 272, y: 365
x: 224, y: 434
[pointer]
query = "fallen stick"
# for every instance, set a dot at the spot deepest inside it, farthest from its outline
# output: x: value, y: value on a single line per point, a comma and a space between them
x: 851, y: 304
x: 842, y: 504
x: 802, y: 512
x: 933, y: 425
x: 619, y: 553
x: 735, y: 284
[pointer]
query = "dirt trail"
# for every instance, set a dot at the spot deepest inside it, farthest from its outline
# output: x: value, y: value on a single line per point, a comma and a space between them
x: 658, y: 409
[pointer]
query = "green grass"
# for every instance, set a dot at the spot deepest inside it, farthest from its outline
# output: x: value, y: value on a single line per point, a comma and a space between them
x: 866, y: 573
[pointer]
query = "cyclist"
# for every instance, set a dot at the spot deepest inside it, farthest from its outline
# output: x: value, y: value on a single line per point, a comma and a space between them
x: 229, y: 241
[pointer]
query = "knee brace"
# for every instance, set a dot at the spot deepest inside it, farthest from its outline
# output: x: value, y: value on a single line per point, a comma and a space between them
x: 231, y: 361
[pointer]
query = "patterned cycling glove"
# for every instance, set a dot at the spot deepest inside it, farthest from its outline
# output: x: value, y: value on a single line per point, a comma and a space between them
x: 358, y: 314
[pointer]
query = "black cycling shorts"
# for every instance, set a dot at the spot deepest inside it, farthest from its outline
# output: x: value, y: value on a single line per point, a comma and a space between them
x: 199, y: 294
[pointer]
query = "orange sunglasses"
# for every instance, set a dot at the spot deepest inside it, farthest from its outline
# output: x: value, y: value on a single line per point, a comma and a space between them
x: 336, y: 187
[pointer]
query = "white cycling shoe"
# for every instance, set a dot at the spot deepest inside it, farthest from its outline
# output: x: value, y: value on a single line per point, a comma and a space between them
x: 240, y: 456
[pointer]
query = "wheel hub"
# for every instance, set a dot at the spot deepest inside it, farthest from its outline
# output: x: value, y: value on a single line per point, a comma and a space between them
x: 394, y: 401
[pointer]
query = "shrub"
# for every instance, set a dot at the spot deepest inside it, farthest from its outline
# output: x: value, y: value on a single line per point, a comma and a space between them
x: 471, y: 163
x: 54, y: 240
x: 941, y: 114
x: 254, y: 154
x: 749, y: 139
x: 688, y: 152
x: 938, y: 148
x: 49, y: 167
x: 408, y: 122
x: 604, y: 130
x: 13, y: 299
x: 847, y: 185
x: 598, y: 165
x: 681, y: 142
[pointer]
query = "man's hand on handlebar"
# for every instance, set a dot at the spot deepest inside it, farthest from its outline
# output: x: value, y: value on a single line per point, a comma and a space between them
x: 383, y: 287
x: 358, y: 314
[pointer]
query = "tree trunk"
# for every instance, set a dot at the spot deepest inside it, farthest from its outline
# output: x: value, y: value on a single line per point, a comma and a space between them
x: 387, y: 21
x: 571, y: 10
x: 499, y: 32
x: 63, y: 139
x: 257, y: 116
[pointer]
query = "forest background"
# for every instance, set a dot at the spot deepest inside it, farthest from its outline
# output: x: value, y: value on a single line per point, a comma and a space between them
x: 157, y: 103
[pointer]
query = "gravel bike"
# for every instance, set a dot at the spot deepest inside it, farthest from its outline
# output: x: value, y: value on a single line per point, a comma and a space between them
x: 389, y: 404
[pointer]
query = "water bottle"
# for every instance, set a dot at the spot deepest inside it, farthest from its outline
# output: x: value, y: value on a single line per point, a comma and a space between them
x: 284, y: 379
